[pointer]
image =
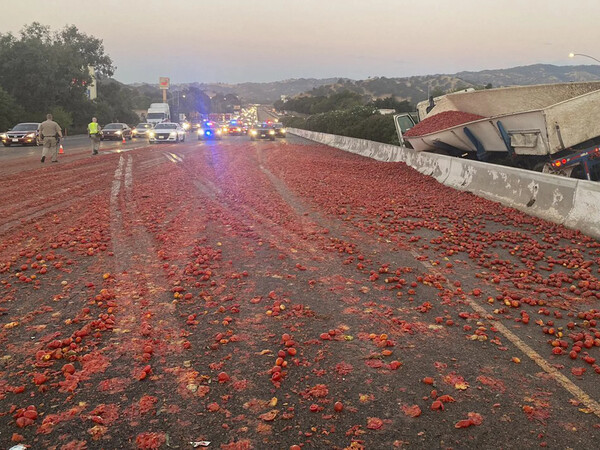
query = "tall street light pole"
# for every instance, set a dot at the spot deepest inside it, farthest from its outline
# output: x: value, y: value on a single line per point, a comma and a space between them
x: 573, y: 55
x: 179, y: 95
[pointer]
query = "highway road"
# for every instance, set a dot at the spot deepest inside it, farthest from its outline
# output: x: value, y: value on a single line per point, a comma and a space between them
x: 280, y: 294
x: 265, y: 113
x: 16, y: 158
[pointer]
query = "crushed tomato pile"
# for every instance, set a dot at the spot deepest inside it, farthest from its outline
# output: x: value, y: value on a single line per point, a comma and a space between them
x: 441, y: 121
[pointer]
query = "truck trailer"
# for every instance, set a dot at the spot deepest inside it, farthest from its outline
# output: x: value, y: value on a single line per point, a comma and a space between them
x: 523, y: 126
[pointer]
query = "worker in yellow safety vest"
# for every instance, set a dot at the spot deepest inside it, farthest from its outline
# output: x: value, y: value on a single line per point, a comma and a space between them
x: 95, y: 135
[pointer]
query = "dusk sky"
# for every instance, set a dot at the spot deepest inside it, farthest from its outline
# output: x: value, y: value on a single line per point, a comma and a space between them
x: 268, y: 40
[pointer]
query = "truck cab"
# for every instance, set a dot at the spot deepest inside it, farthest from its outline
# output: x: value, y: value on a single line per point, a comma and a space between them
x: 158, y: 113
x: 403, y: 123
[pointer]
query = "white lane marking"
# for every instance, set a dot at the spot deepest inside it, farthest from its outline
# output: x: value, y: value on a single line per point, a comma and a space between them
x: 128, y: 173
x: 561, y: 379
x: 116, y: 185
x: 174, y: 158
x: 109, y: 150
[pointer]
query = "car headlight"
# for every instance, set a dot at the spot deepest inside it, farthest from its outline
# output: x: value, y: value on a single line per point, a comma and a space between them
x: 151, y: 134
x: 118, y: 132
x: 30, y: 135
x: 218, y: 131
x: 186, y: 126
x: 3, y: 136
x: 283, y: 130
x: 271, y: 131
x: 173, y: 134
x: 253, y: 132
x: 134, y: 131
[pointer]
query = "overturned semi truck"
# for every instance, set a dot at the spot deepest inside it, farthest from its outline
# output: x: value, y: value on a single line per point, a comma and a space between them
x: 551, y: 128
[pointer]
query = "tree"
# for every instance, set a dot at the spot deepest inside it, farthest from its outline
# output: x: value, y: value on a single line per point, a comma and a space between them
x: 437, y: 92
x: 194, y: 102
x: 323, y: 103
x: 61, y: 117
x: 115, y: 103
x: 391, y: 103
x: 42, y: 70
x: 10, y: 112
x: 221, y: 103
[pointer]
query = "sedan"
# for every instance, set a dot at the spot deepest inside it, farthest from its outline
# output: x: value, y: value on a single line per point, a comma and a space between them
x: 141, y: 130
x: 167, y: 132
x: 22, y: 133
x: 116, y: 131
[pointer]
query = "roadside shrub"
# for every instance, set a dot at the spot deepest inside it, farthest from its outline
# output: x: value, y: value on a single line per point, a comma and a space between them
x: 360, y: 122
x: 10, y: 112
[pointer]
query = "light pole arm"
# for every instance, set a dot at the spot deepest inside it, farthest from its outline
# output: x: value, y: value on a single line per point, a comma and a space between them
x: 572, y: 55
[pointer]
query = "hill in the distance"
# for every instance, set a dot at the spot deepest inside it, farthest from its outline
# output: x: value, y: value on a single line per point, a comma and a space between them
x: 413, y: 89
x: 417, y: 88
x: 535, y: 74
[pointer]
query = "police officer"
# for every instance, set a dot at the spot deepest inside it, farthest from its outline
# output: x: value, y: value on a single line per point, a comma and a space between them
x: 50, y: 135
x: 94, y: 133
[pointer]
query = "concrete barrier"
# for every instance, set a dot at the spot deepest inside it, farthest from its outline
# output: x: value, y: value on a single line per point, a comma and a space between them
x: 436, y: 166
x: 585, y: 214
x: 573, y: 203
x: 547, y: 196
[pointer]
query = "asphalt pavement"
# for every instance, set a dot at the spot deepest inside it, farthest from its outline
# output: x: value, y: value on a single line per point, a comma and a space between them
x: 284, y: 295
x: 17, y: 157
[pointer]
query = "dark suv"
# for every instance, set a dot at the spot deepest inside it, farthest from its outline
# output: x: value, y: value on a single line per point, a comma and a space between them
x: 262, y: 131
x: 23, y: 134
x: 280, y: 130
